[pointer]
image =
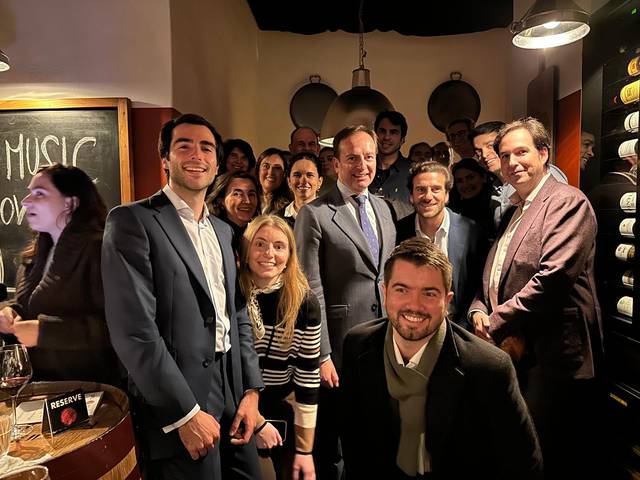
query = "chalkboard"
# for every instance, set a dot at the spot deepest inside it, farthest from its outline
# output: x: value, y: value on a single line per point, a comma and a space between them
x: 92, y: 134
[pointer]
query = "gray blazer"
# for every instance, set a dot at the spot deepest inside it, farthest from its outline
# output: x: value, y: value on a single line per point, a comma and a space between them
x: 162, y: 320
x: 338, y: 264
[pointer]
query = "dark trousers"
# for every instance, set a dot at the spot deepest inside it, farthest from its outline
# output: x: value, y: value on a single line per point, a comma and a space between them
x: 224, y: 461
x: 568, y: 415
x: 327, y: 452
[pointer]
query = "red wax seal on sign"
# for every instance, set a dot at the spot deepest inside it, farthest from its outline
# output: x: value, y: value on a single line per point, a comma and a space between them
x: 68, y: 416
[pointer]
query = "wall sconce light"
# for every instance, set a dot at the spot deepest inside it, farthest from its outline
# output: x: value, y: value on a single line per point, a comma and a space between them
x: 550, y: 23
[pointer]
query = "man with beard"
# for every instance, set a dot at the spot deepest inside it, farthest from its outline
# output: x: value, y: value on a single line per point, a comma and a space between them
x: 460, y: 238
x: 392, y: 169
x: 422, y: 397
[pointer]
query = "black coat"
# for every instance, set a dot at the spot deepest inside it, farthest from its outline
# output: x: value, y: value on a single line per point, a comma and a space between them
x: 477, y: 424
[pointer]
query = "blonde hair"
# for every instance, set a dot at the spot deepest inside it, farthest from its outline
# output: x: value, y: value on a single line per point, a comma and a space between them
x: 294, y: 283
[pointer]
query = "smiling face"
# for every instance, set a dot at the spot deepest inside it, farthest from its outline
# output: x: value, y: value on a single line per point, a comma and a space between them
x: 192, y: 161
x: 241, y: 201
x: 326, y: 159
x: 486, y: 155
x: 304, y: 181
x: 389, y: 137
x: 237, y: 161
x: 429, y: 194
x: 271, y: 173
x: 468, y: 183
x: 47, y: 210
x: 416, y: 300
x: 268, y: 255
x: 356, y: 163
x: 523, y: 165
x: 587, y: 142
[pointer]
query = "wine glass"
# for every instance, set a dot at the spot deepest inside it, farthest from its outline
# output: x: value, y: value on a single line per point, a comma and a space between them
x: 15, y: 373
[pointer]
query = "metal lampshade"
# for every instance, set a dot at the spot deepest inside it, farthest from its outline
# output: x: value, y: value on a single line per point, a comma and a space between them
x: 358, y: 106
x: 4, y: 62
x: 550, y: 23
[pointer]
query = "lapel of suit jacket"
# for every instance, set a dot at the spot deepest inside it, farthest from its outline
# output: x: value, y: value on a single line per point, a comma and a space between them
x: 346, y: 222
x: 371, y: 370
x: 384, y: 222
x: 456, y: 248
x: 169, y: 220
x: 525, y: 224
x: 444, y: 394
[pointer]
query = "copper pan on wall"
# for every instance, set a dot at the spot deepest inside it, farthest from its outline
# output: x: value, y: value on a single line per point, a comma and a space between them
x: 451, y: 100
x: 310, y: 103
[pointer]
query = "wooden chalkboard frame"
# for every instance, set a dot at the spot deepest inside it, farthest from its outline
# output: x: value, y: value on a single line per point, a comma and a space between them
x: 123, y: 107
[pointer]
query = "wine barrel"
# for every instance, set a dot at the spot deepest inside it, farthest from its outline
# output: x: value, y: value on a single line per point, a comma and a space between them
x: 104, y: 449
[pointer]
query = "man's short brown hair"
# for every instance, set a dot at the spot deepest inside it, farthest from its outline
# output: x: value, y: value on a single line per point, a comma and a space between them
x: 430, y: 166
x: 421, y: 253
x: 539, y: 134
x: 349, y: 131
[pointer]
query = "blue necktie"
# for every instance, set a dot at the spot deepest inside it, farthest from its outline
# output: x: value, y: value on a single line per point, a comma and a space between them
x: 367, y: 228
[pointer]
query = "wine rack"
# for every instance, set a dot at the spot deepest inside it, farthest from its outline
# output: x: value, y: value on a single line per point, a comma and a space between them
x: 616, y: 197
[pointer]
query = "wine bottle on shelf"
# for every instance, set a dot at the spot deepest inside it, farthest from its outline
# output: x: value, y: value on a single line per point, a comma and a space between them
x: 625, y: 306
x: 628, y: 202
x: 631, y: 122
x: 630, y: 92
x: 627, y: 278
x: 633, y: 67
x: 626, y: 227
x: 625, y: 252
x: 628, y: 148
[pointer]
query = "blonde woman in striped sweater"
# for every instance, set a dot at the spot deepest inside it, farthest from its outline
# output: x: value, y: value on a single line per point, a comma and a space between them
x: 286, y: 324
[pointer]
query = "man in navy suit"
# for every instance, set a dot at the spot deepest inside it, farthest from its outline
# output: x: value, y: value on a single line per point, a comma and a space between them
x: 460, y: 238
x: 169, y: 279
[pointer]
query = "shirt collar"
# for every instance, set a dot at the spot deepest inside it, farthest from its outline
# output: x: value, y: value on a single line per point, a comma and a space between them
x: 516, y: 199
x: 290, y: 211
x: 442, y: 229
x: 181, y: 206
x: 347, y: 193
x: 413, y: 361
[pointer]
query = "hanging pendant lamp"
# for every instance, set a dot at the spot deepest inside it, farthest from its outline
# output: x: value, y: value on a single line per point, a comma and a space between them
x: 550, y: 23
x: 358, y: 106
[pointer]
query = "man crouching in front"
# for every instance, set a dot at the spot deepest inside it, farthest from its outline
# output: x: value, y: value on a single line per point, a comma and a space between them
x: 424, y: 398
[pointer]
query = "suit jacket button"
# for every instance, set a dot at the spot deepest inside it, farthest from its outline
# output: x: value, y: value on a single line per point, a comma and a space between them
x: 374, y: 307
x: 206, y: 363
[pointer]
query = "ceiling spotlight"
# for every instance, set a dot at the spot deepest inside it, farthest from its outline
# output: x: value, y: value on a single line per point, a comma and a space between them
x: 550, y: 23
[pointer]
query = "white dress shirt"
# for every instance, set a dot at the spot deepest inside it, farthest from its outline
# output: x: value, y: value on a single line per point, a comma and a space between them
x: 205, y: 242
x: 442, y: 234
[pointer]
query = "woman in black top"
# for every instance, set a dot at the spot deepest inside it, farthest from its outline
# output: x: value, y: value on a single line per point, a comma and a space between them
x: 58, y: 310
x: 270, y: 170
x: 286, y: 325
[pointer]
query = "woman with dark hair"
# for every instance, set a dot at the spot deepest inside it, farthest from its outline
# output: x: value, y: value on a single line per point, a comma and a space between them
x: 58, y: 310
x: 270, y: 170
x: 285, y: 315
x: 234, y: 199
x: 238, y: 157
x: 305, y: 179
x: 472, y: 194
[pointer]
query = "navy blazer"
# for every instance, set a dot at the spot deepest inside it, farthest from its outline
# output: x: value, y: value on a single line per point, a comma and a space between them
x: 161, y: 317
x: 467, y: 248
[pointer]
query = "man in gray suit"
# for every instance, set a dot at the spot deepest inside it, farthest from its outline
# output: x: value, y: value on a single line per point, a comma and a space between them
x: 343, y: 240
x: 169, y: 278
